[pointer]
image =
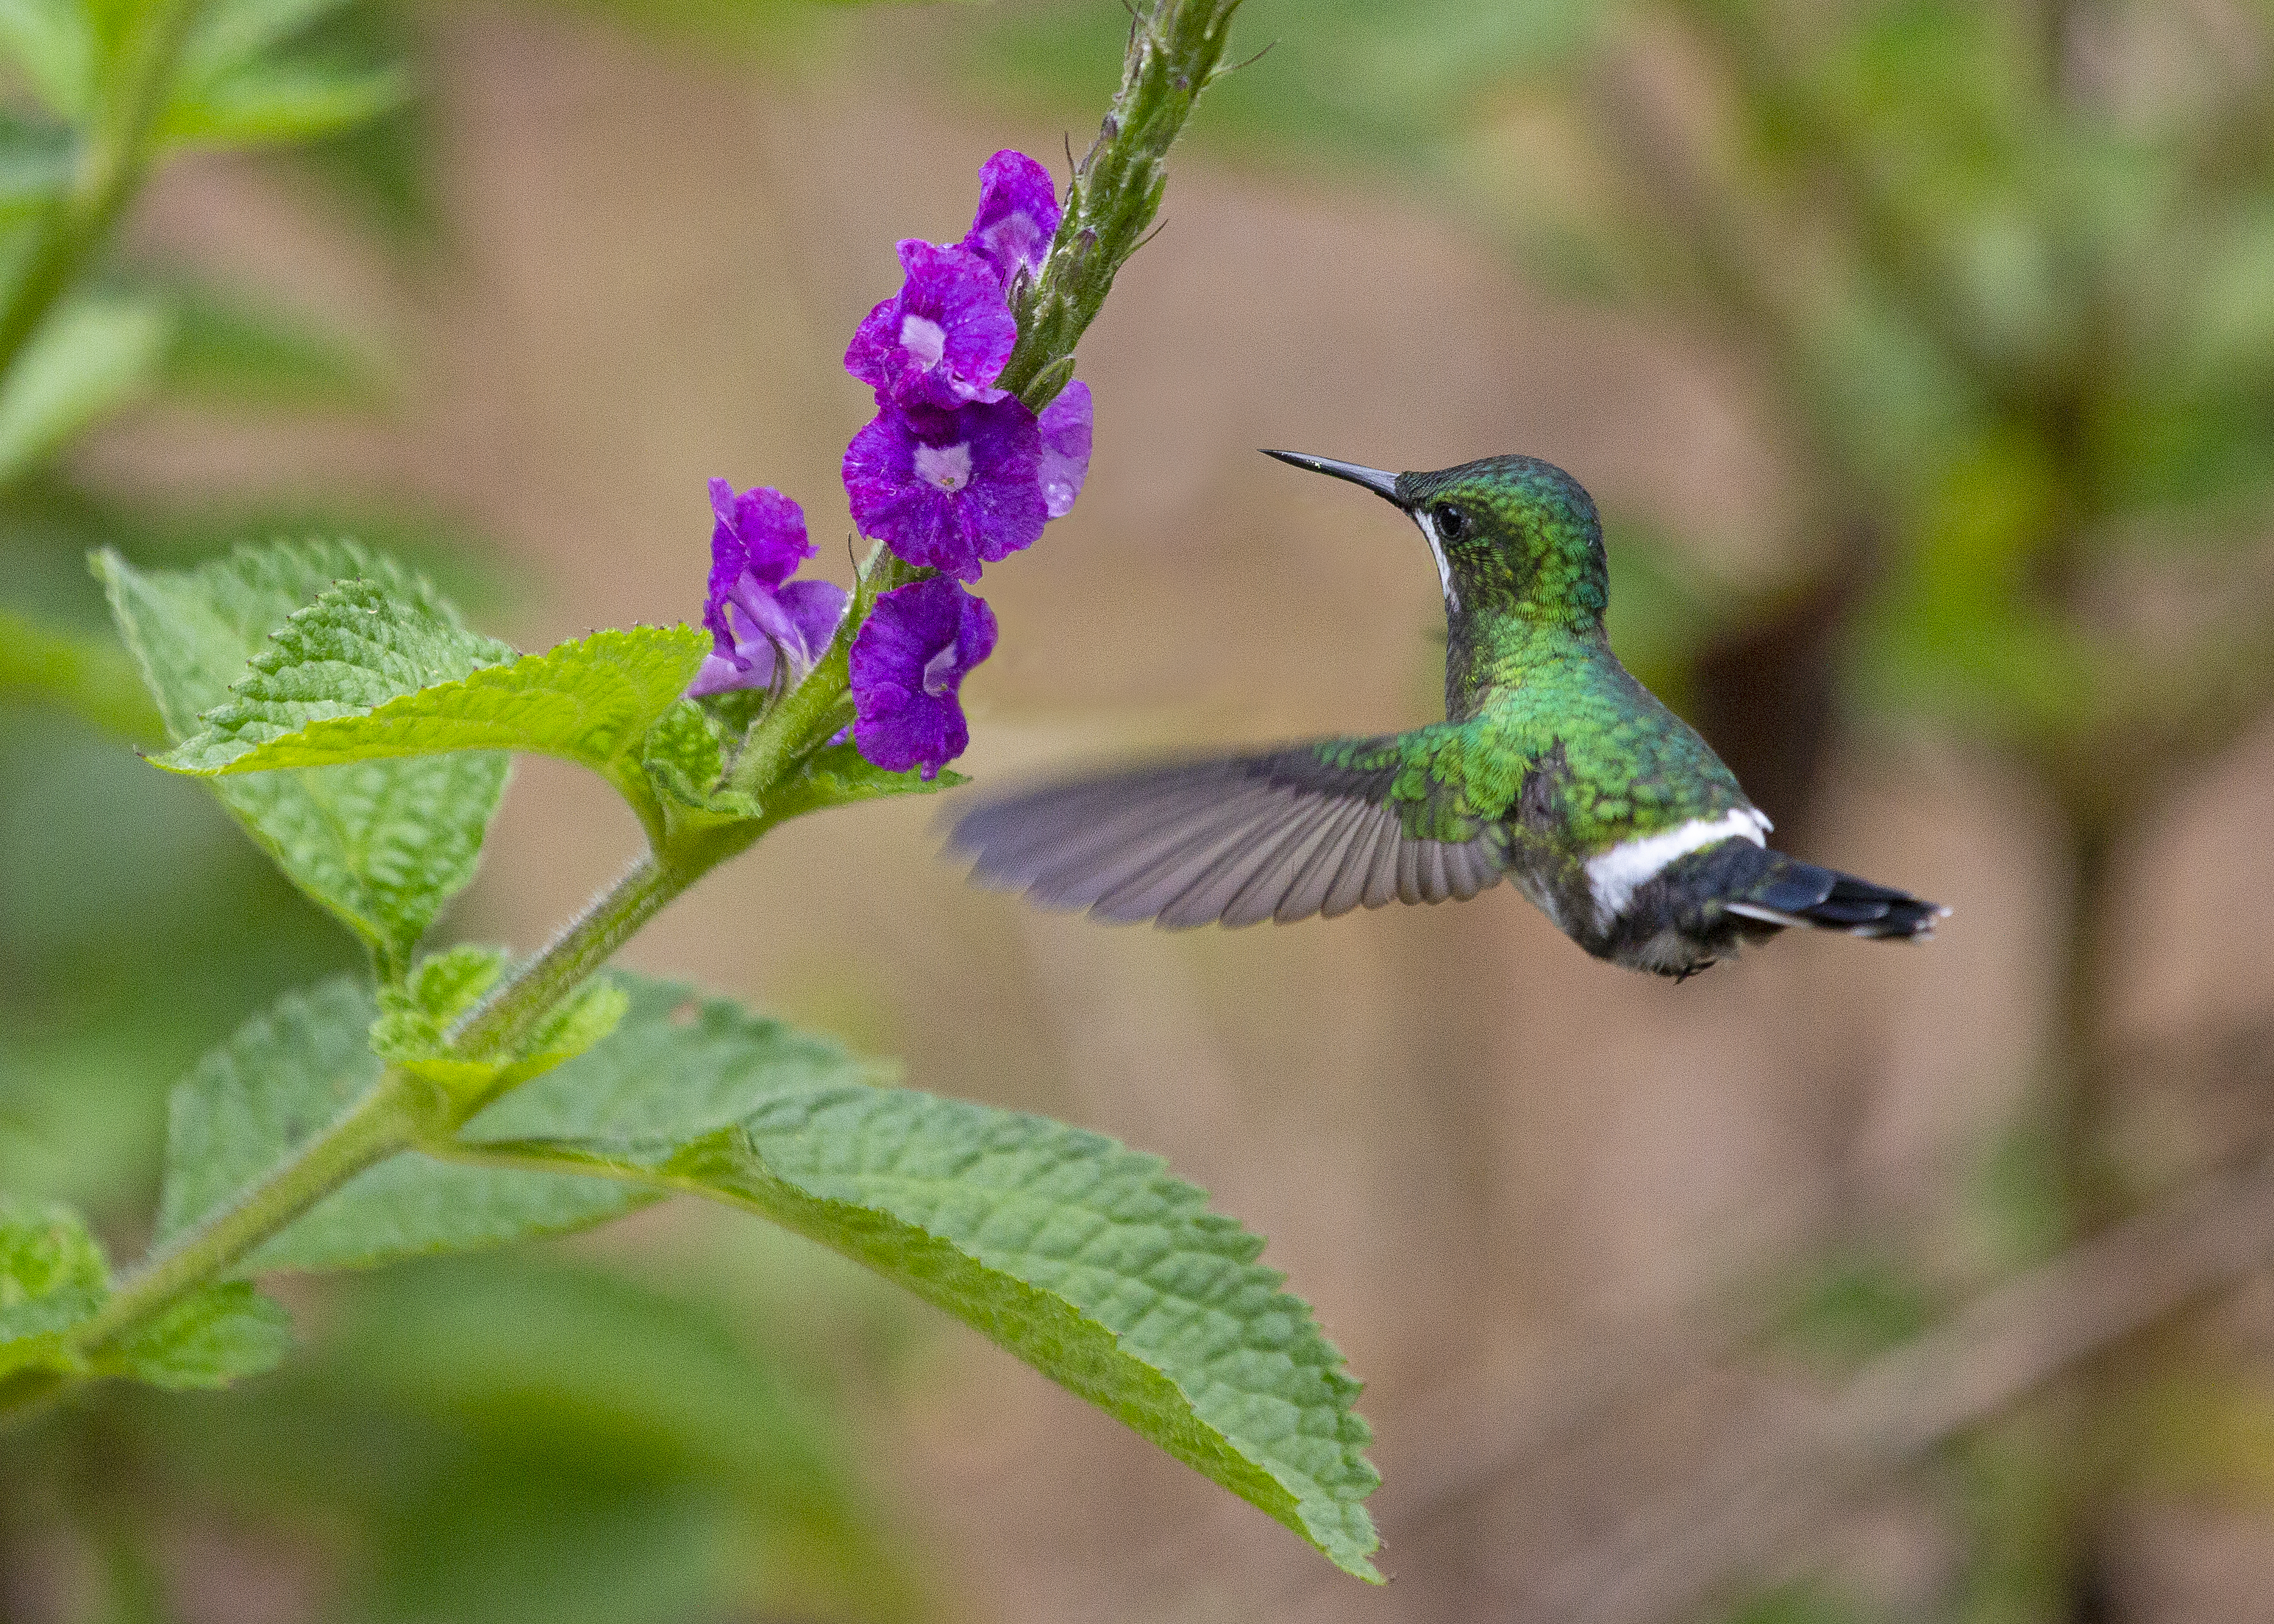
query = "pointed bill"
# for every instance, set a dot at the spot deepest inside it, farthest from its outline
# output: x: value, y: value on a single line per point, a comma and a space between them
x: 1375, y: 479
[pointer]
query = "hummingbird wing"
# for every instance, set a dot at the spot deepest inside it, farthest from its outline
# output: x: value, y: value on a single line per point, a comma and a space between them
x: 1319, y: 828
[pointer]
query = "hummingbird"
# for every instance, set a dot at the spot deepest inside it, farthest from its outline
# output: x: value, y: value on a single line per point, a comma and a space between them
x: 1554, y: 768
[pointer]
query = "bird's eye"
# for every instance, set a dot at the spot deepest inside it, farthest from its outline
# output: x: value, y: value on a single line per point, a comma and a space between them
x: 1451, y: 522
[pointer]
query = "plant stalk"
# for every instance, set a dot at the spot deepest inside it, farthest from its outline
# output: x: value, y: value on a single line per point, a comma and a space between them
x: 113, y: 160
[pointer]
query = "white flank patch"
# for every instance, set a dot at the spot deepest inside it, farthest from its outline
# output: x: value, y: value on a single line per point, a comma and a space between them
x: 1437, y: 551
x: 1613, y: 874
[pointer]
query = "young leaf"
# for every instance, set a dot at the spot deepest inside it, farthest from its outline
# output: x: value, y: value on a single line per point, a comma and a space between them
x: 590, y: 701
x: 381, y: 844
x: 1086, y: 1259
x: 52, y: 1276
x: 838, y: 775
x: 85, y: 362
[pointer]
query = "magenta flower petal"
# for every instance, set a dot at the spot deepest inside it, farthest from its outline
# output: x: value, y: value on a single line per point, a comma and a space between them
x: 950, y: 489
x: 907, y: 668
x: 942, y: 338
x: 1018, y: 215
x: 1064, y: 424
x: 793, y: 621
x: 757, y: 541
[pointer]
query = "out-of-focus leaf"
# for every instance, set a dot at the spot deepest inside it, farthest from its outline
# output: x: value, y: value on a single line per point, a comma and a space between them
x: 89, y: 359
x: 1802, y: 1603
x: 382, y: 844
x: 291, y: 101
x: 36, y: 166
x: 90, y: 677
x: 1855, y: 1307
x: 540, y: 1440
x: 52, y: 44
x: 2209, y: 1430
x: 232, y: 350
x: 231, y: 34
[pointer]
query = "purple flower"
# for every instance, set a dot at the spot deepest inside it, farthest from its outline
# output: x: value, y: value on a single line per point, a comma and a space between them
x: 1064, y: 427
x: 757, y: 541
x: 909, y: 661
x: 942, y: 338
x: 1018, y: 215
x: 952, y: 489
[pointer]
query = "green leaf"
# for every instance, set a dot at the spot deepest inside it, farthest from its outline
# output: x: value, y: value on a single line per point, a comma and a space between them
x: 686, y: 757
x: 838, y: 775
x: 590, y: 701
x: 672, y: 1067
x: 360, y: 645
x: 585, y: 701
x: 207, y: 1338
x: 52, y: 44
x: 381, y: 844
x: 270, y: 102
x: 1086, y: 1259
x: 89, y: 359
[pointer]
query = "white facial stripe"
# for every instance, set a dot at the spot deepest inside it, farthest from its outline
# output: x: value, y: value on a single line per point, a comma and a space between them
x: 1437, y: 551
x: 1614, y: 876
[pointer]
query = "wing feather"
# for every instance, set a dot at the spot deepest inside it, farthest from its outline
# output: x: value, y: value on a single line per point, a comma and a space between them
x: 1284, y: 835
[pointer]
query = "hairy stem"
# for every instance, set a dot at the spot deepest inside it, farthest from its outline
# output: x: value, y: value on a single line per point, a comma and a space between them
x: 385, y: 1120
x: 114, y: 159
x: 1176, y: 48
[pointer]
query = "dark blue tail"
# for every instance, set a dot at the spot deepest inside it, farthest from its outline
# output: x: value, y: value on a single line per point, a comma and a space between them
x: 1787, y: 892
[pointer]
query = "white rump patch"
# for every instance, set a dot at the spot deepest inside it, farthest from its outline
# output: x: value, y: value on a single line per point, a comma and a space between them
x: 1437, y: 551
x: 1614, y: 876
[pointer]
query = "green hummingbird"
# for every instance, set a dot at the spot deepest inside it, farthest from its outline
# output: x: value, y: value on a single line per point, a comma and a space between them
x: 1553, y: 768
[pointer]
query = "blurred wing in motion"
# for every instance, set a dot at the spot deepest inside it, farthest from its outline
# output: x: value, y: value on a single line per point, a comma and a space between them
x: 1314, y: 829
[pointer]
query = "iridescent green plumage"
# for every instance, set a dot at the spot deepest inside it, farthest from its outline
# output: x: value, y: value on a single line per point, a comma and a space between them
x: 1553, y: 767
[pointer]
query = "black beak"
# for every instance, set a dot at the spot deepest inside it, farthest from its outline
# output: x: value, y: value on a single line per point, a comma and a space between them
x: 1382, y: 485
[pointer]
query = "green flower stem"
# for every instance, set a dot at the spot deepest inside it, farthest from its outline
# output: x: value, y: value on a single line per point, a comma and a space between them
x: 1175, y: 49
x: 584, y: 945
x: 114, y: 159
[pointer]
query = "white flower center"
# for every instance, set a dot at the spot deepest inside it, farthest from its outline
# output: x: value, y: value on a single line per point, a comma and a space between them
x: 924, y: 338
x: 947, y: 467
x: 940, y: 672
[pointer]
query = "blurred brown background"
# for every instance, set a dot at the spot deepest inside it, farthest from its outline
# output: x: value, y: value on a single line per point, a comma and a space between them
x: 1541, y: 1204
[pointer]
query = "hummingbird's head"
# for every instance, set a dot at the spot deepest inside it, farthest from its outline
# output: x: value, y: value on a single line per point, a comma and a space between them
x: 1511, y: 535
